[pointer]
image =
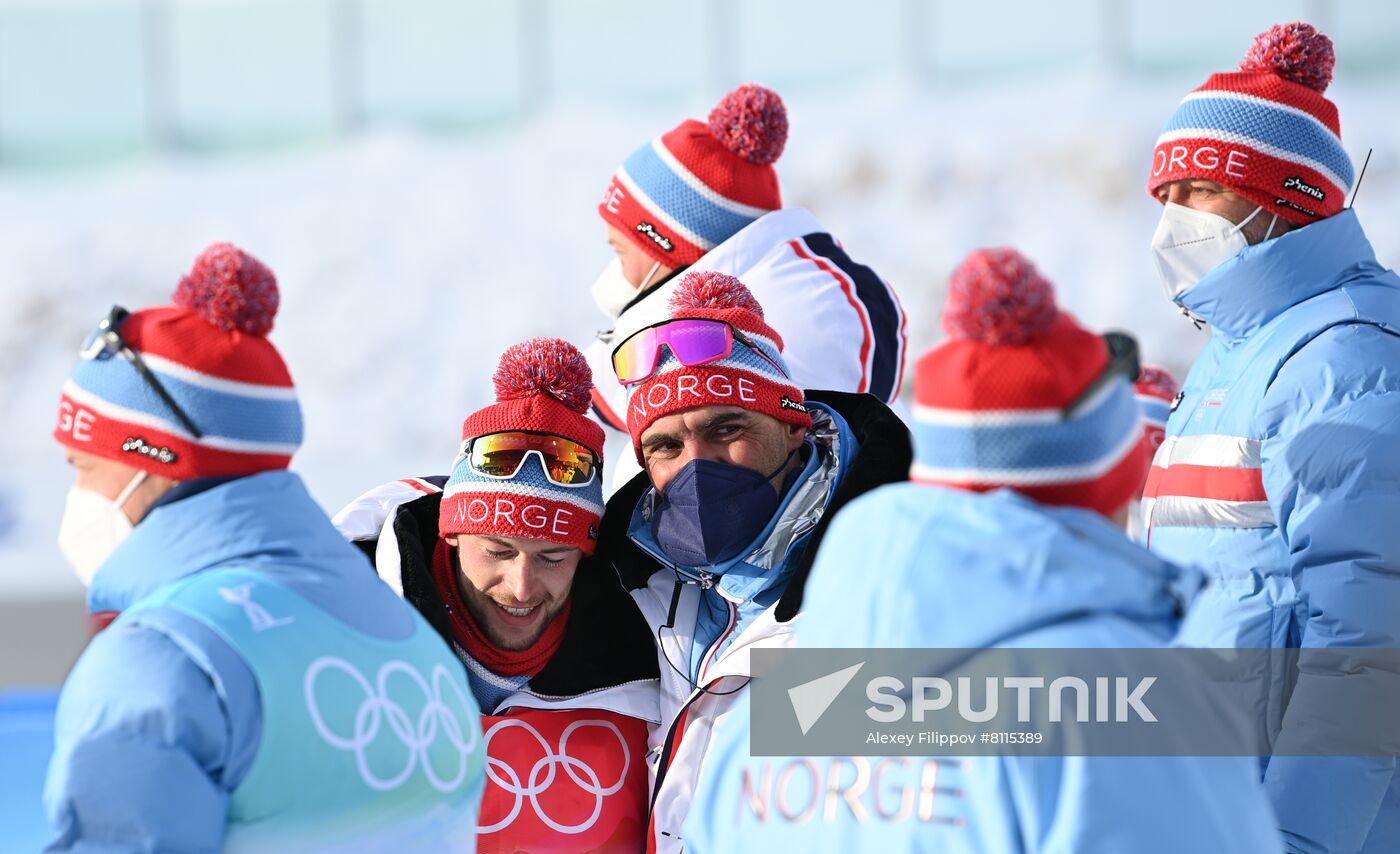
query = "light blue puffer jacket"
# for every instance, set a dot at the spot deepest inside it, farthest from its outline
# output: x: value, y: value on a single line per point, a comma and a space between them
x: 263, y: 689
x: 1280, y: 476
x: 913, y: 566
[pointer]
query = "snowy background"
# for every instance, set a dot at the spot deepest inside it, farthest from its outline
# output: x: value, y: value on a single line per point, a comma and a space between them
x: 422, y: 177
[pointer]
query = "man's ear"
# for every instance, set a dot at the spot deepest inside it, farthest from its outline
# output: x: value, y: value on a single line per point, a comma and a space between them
x: 796, y: 434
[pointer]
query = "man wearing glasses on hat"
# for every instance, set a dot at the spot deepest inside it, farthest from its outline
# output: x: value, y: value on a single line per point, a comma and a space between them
x: 498, y: 557
x: 253, y: 690
x: 743, y: 471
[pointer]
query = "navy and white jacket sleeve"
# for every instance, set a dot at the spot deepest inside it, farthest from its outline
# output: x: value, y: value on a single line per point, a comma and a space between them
x: 1331, y: 469
x: 131, y: 770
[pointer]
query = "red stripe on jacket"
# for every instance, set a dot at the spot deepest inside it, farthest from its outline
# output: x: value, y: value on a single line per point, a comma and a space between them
x: 867, y: 336
x: 1212, y: 482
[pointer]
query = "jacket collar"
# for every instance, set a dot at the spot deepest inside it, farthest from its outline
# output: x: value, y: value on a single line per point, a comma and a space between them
x: 653, y: 287
x: 755, y: 241
x: 735, y: 256
x: 1066, y: 563
x: 229, y: 523
x: 1262, y: 281
x: 751, y: 573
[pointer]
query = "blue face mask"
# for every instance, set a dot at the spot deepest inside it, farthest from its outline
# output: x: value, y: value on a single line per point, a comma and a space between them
x: 710, y: 511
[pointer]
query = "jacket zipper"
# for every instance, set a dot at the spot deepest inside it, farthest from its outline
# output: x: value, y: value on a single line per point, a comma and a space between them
x: 706, y: 660
x: 677, y: 729
x: 668, y: 747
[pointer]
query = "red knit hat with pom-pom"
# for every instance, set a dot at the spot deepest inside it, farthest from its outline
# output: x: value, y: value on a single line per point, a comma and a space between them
x: 694, y: 187
x: 1265, y: 131
x: 209, y: 353
x: 753, y: 376
x: 1000, y: 403
x: 543, y: 387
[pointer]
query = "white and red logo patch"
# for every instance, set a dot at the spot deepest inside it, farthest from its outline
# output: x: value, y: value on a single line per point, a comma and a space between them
x: 566, y: 780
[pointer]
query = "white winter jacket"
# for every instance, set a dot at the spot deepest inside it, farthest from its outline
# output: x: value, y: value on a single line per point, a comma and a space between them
x: 842, y: 325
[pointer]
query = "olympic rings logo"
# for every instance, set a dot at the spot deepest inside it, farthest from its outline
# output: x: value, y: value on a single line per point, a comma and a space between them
x: 543, y: 774
x: 378, y: 710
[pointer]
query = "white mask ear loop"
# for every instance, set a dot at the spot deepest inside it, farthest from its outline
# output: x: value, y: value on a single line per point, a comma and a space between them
x: 1269, y: 233
x: 1251, y: 216
x: 647, y: 277
x: 127, y: 491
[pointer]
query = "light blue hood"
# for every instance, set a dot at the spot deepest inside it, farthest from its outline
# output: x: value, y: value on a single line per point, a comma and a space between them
x: 949, y: 569
x: 915, y: 566
x: 266, y: 521
x: 116, y: 721
x: 1247, y: 291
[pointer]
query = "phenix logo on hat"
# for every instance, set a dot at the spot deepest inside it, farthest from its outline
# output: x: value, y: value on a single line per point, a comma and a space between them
x: 715, y: 350
x: 692, y: 188
x: 530, y: 464
x: 1265, y: 131
x: 193, y: 389
x: 1022, y: 396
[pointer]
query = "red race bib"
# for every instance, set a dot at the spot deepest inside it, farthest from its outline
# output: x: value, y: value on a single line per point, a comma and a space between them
x: 569, y: 780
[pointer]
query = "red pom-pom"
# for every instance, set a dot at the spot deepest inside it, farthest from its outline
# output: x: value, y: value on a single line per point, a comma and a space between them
x: 549, y: 366
x: 708, y: 289
x: 997, y: 296
x: 231, y: 289
x: 1296, y: 52
x: 752, y: 122
x: 1156, y: 381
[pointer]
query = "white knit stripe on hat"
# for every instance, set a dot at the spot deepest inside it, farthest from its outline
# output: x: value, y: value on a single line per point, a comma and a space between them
x: 944, y: 417
x: 1030, y: 477
x: 1244, y: 97
x: 559, y: 495
x: 672, y: 366
x: 768, y: 345
x: 220, y: 384
x: 701, y: 187
x: 117, y: 412
x: 655, y: 210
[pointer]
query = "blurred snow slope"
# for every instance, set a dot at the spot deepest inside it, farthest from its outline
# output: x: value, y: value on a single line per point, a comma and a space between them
x: 407, y: 263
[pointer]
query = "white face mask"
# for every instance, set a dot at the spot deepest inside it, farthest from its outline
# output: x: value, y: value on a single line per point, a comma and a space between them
x: 1189, y: 244
x: 92, y: 528
x: 611, y: 292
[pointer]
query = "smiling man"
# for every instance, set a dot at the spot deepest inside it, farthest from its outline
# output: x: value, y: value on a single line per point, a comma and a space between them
x: 1278, y: 472
x: 513, y: 587
x: 715, y: 538
x: 499, y: 558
